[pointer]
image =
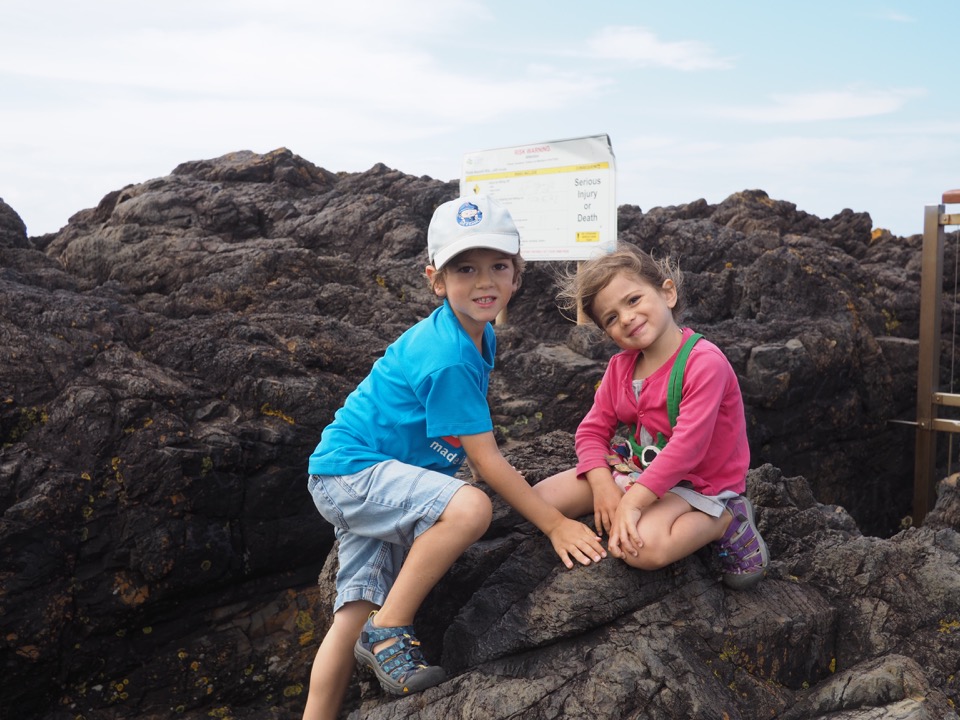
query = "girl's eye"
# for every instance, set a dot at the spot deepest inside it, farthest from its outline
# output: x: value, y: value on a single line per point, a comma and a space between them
x: 634, y: 299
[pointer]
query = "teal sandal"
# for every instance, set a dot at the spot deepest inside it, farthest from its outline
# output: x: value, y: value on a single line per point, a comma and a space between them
x: 400, y: 668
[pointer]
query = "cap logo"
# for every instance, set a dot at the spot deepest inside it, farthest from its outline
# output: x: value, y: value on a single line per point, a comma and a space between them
x: 468, y: 215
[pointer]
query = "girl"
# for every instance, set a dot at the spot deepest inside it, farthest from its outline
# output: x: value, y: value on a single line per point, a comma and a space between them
x: 675, y: 487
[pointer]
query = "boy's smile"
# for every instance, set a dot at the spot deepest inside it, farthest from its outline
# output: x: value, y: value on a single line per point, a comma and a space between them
x: 478, y: 284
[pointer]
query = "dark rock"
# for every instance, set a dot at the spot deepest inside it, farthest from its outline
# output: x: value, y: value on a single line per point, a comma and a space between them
x: 13, y: 233
x: 170, y: 357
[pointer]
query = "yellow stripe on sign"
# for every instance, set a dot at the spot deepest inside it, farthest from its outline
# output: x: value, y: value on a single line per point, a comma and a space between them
x: 538, y: 171
x: 588, y: 237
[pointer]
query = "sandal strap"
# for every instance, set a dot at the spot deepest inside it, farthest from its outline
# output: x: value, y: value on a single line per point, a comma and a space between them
x: 402, y: 658
x: 740, y: 564
x: 373, y: 634
x: 742, y: 542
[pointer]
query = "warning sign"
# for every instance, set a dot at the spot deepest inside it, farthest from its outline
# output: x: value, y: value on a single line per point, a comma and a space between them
x: 561, y: 194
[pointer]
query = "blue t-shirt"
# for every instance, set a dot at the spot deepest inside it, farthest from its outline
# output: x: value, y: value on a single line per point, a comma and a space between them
x: 429, y: 388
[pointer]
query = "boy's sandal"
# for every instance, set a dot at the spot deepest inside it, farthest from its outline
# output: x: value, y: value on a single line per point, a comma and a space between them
x: 400, y: 667
x: 743, y: 553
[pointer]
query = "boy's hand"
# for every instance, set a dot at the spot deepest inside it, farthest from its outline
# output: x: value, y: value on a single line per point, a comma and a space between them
x: 572, y: 540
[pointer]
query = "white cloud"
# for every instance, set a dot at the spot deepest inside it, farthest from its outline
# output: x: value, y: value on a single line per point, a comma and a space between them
x: 97, y: 95
x: 355, y: 66
x: 818, y: 106
x: 890, y: 175
x: 219, y: 47
x: 897, y: 16
x: 783, y: 155
x: 641, y: 46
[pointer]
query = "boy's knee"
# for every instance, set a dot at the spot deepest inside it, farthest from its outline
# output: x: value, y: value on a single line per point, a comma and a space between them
x: 471, y: 509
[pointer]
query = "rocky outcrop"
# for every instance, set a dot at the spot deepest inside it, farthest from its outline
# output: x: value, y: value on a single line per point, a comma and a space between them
x: 170, y: 357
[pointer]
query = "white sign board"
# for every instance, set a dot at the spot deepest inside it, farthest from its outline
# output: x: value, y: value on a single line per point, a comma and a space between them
x: 561, y: 194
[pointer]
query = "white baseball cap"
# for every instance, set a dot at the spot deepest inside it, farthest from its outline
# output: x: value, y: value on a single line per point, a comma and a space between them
x: 477, y: 221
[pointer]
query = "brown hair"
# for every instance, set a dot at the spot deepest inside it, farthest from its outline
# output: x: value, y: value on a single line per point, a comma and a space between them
x: 579, y: 288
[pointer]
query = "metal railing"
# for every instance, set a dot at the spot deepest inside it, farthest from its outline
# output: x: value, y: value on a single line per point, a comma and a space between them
x: 929, y: 397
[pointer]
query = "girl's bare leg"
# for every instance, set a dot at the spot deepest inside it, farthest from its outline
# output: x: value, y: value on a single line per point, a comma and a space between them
x: 672, y: 530
x: 567, y: 493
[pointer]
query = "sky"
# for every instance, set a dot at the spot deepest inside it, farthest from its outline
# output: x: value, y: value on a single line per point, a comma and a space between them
x: 827, y: 105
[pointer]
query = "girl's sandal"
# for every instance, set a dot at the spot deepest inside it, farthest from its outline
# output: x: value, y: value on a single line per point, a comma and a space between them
x: 743, y: 553
x: 400, y: 667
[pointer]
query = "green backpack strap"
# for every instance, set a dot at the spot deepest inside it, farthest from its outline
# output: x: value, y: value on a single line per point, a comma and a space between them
x: 674, y: 391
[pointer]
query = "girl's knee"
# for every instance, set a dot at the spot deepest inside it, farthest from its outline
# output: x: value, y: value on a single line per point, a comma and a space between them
x: 566, y: 492
x: 643, y: 561
x: 543, y: 490
x: 648, y: 557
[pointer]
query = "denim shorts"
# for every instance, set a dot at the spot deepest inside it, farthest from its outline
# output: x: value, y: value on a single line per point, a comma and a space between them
x: 377, y: 513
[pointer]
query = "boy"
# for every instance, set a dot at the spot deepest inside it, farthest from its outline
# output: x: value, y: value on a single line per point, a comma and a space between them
x: 383, y: 473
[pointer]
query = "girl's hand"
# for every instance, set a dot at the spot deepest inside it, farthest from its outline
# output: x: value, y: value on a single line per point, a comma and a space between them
x: 572, y: 540
x: 606, y: 498
x: 625, y: 537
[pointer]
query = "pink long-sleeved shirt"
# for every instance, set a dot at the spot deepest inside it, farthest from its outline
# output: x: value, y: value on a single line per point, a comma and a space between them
x: 708, y: 446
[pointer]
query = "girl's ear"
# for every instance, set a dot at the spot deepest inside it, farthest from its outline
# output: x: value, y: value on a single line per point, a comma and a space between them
x: 669, y: 289
x: 436, y: 281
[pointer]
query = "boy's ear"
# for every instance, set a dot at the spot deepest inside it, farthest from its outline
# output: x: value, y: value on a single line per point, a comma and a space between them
x: 436, y: 281
x: 669, y: 288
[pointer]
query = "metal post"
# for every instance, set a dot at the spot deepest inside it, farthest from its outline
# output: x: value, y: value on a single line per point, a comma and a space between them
x: 928, y: 364
x: 581, y: 315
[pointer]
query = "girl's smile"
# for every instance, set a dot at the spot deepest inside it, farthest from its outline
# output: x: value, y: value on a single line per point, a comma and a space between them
x: 636, y: 315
